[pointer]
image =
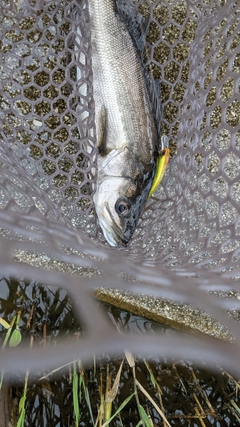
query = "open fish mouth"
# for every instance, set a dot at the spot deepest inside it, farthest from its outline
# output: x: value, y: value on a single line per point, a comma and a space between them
x: 112, y: 233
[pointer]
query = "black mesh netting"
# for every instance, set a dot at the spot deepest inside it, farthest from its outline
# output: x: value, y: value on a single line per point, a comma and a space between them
x: 187, y: 241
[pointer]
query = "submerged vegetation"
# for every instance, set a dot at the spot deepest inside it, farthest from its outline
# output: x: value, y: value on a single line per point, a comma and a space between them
x: 128, y: 391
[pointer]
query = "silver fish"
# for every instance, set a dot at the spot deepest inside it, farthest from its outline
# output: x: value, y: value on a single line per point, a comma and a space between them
x: 127, y: 137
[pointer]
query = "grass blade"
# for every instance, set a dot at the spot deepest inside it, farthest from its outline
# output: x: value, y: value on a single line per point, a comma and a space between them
x: 21, y: 419
x: 15, y: 339
x: 152, y: 402
x: 4, y: 323
x: 111, y: 394
x: 144, y: 416
x: 119, y: 409
x: 86, y: 394
x: 75, y: 396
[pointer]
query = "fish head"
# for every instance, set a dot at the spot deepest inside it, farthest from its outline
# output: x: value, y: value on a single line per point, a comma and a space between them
x: 119, y: 203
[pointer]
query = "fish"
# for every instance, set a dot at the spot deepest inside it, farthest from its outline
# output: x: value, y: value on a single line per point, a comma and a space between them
x: 126, y: 129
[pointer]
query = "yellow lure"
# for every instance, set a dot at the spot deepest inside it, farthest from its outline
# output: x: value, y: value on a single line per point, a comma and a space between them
x: 162, y: 162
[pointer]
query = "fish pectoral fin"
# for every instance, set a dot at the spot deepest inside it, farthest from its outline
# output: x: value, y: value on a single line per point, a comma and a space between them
x: 161, y: 166
x: 101, y: 131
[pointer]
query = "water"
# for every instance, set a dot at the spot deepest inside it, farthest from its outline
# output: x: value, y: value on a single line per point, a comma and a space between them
x: 188, y: 395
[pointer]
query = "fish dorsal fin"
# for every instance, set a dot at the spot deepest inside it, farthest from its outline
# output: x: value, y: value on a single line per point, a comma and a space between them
x: 154, y: 91
x: 162, y: 162
x: 138, y: 26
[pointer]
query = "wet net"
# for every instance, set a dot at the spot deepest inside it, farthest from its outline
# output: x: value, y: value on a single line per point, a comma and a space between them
x: 187, y: 240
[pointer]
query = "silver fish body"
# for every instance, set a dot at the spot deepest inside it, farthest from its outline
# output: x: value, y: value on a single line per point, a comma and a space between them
x: 125, y: 127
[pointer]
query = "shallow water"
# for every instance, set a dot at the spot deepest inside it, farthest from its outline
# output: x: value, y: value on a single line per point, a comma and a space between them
x: 188, y: 395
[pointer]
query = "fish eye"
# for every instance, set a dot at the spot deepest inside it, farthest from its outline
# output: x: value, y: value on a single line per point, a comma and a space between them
x: 123, y: 207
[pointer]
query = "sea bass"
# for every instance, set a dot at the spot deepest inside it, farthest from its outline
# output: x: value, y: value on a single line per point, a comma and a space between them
x: 127, y: 136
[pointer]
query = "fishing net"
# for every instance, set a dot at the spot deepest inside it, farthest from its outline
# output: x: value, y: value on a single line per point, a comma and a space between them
x: 186, y: 246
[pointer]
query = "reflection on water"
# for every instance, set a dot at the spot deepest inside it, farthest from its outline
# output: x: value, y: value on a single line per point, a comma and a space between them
x: 188, y: 396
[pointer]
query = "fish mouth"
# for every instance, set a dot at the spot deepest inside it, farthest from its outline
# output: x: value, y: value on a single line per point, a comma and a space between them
x: 112, y: 234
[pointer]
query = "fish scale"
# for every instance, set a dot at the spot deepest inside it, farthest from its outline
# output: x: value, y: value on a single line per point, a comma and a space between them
x: 118, y: 80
